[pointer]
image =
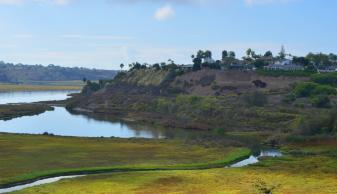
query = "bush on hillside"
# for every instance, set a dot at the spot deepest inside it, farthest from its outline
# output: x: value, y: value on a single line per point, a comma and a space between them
x: 92, y: 87
x: 321, y: 101
x: 319, y: 124
x: 326, y: 79
x: 289, y: 98
x: 256, y: 98
x: 309, y: 89
x: 120, y: 75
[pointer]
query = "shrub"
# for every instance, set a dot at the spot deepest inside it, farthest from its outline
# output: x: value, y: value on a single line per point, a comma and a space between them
x: 256, y: 98
x: 120, y: 75
x: 92, y: 87
x: 319, y: 124
x: 324, y: 90
x: 289, y: 98
x: 304, y: 89
x: 259, y: 84
x: 309, y: 89
x: 188, y: 100
x: 326, y: 79
x: 321, y: 101
x: 219, y: 131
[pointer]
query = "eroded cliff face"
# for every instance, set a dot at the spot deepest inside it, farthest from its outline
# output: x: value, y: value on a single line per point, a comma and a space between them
x: 207, y: 82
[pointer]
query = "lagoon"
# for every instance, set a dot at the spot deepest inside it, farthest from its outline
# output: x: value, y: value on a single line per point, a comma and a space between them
x: 13, y: 97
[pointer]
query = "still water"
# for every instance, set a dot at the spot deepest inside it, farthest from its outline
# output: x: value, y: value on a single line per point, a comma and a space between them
x: 61, y: 122
x: 33, y: 96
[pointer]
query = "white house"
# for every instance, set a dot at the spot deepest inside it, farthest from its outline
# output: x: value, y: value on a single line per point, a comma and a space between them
x: 187, y: 67
x: 209, y: 60
x: 285, y: 64
x: 328, y: 69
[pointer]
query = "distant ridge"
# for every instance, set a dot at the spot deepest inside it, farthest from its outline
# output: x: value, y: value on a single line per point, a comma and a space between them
x: 16, y: 73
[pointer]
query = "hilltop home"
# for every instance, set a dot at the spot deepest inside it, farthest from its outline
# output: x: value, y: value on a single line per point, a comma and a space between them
x: 241, y: 67
x: 209, y: 60
x: 328, y: 69
x: 285, y: 65
x: 187, y: 67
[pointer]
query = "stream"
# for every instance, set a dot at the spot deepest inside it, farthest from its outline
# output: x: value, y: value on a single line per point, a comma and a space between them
x: 246, y: 162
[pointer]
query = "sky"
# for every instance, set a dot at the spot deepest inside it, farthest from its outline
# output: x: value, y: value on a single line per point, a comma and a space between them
x: 105, y: 33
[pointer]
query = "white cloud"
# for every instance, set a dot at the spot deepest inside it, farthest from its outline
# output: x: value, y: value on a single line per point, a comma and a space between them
x: 164, y: 13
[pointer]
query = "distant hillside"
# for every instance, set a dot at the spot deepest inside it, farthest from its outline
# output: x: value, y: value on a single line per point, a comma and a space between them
x: 22, y: 73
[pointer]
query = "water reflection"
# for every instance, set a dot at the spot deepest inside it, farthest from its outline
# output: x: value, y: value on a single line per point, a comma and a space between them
x: 61, y: 122
x: 33, y: 96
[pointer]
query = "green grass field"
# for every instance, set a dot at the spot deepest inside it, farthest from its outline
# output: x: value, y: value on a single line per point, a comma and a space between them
x: 25, y: 157
x: 307, y: 168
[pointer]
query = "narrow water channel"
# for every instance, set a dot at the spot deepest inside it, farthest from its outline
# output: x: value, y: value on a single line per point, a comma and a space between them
x: 37, y: 183
x: 255, y: 159
x: 251, y: 160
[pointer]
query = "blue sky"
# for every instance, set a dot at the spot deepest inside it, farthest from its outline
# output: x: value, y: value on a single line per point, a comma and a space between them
x: 105, y: 33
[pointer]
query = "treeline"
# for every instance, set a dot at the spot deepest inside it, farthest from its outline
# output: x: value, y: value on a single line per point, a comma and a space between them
x: 202, y: 59
x: 17, y: 73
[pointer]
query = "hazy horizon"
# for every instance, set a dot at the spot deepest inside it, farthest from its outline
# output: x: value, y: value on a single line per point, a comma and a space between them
x: 104, y: 33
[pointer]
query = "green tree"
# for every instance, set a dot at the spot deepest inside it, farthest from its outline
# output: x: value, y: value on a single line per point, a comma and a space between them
x: 224, y: 55
x: 319, y: 59
x: 208, y: 54
x: 200, y: 54
x: 282, y: 54
x: 171, y: 62
x: 333, y: 57
x: 249, y: 53
x: 197, y: 64
x: 156, y: 66
x: 268, y: 54
x: 121, y: 66
x: 232, y: 54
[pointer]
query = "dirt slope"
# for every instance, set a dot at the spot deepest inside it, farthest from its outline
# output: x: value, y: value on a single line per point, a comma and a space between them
x: 215, y: 82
